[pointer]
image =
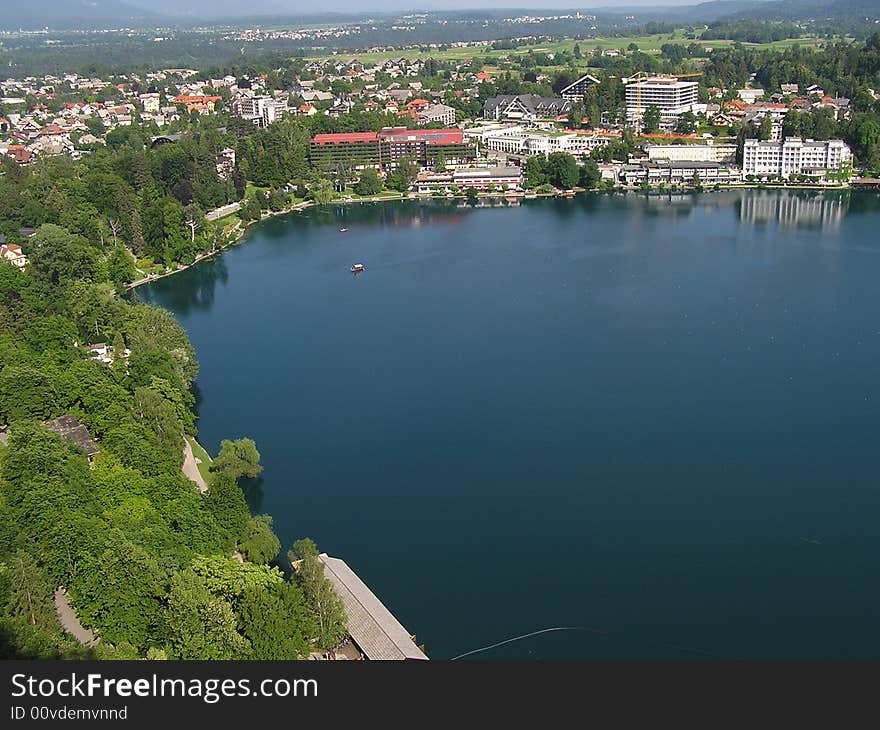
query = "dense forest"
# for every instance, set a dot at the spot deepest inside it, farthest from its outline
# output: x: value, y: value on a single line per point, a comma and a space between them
x: 147, y: 559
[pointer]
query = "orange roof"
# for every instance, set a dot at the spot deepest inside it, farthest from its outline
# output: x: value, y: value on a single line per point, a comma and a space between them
x: 483, y: 76
x: 184, y: 99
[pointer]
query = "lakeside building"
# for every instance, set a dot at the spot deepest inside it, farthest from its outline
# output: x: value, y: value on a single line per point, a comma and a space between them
x: 670, y: 95
x: 522, y: 142
x: 377, y: 634
x: 382, y: 150
x: 480, y: 178
x: 576, y: 90
x: 526, y: 107
x: 682, y: 172
x: 724, y: 153
x: 795, y: 156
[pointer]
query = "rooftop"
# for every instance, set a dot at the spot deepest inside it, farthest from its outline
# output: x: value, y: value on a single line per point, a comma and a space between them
x: 372, y: 626
x: 71, y: 429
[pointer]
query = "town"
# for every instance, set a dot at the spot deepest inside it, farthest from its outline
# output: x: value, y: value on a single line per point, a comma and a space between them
x: 456, y: 136
x: 669, y: 193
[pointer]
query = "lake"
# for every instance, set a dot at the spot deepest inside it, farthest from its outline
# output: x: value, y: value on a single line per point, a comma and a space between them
x: 650, y: 419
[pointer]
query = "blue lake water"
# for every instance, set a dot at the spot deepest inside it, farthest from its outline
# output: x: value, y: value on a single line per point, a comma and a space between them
x: 651, y: 418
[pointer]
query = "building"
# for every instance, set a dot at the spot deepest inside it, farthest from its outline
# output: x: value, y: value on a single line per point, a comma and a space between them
x: 150, y: 102
x: 680, y: 173
x: 226, y: 163
x: 436, y: 113
x: 750, y: 96
x: 73, y: 431
x: 526, y: 107
x: 725, y: 153
x: 377, y: 634
x: 523, y: 142
x: 670, y: 95
x: 794, y: 156
x: 198, y: 102
x: 576, y: 90
x: 11, y: 253
x: 481, y: 178
x: 261, y: 110
x: 383, y: 150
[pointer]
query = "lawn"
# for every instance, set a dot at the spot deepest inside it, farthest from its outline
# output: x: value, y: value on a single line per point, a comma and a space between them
x: 205, y: 460
x: 647, y: 44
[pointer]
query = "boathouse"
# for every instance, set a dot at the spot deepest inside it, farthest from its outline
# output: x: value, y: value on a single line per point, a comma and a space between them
x: 372, y: 627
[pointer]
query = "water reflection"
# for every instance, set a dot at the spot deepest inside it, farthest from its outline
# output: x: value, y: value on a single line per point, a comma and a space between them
x: 197, y: 295
x: 794, y: 208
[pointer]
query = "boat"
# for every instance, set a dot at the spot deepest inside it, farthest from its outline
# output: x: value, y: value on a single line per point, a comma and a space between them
x: 357, y: 268
x: 343, y: 230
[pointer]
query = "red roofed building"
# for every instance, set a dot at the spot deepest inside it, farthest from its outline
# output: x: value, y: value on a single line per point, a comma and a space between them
x: 197, y: 103
x: 18, y: 153
x: 385, y: 149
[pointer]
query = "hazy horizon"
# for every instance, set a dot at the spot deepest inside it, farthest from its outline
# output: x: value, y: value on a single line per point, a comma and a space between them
x: 291, y: 7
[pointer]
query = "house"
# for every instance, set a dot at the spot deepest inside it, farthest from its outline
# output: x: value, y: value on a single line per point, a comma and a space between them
x: 750, y: 96
x: 226, y: 163
x: 306, y: 110
x: 18, y: 153
x: 11, y: 252
x: 576, y: 90
x: 73, y: 431
x: 525, y: 106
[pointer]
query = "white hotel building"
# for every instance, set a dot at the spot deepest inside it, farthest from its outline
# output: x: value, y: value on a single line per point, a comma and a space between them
x: 517, y: 141
x: 671, y: 96
x: 794, y: 156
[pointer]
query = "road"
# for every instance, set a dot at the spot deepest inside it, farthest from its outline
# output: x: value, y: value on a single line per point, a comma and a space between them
x: 224, y: 211
x: 191, y: 469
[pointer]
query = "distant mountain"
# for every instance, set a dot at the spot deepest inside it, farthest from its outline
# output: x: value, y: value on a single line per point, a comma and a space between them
x: 75, y: 14
x: 804, y: 9
x: 221, y: 9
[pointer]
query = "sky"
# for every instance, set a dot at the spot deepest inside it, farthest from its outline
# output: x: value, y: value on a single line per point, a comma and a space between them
x: 297, y: 7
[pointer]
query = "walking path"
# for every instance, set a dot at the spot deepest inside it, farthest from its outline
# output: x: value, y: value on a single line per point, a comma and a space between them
x: 70, y: 621
x: 191, y: 469
x: 225, y: 210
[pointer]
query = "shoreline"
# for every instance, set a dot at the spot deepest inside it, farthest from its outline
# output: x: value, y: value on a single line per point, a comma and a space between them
x: 241, y: 229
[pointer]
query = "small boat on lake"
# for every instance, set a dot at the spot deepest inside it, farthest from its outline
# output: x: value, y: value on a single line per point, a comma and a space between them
x: 343, y: 230
x: 358, y: 268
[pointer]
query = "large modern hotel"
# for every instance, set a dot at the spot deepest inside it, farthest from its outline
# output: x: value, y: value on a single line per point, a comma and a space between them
x: 670, y: 95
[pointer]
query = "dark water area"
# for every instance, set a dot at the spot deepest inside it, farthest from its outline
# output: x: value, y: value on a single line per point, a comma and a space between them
x: 651, y: 418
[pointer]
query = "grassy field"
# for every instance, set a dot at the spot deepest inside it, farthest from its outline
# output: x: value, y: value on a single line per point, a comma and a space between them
x: 647, y: 44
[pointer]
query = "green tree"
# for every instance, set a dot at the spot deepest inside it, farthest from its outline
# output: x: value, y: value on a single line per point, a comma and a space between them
x: 687, y: 123
x: 56, y: 256
x: 259, y: 544
x: 276, y: 622
x: 590, y: 175
x: 562, y: 170
x: 370, y: 183
x: 201, y: 625
x: 325, y: 607
x: 226, y: 504
x: 322, y: 192
x: 535, y: 169
x: 238, y: 458
x: 651, y: 119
